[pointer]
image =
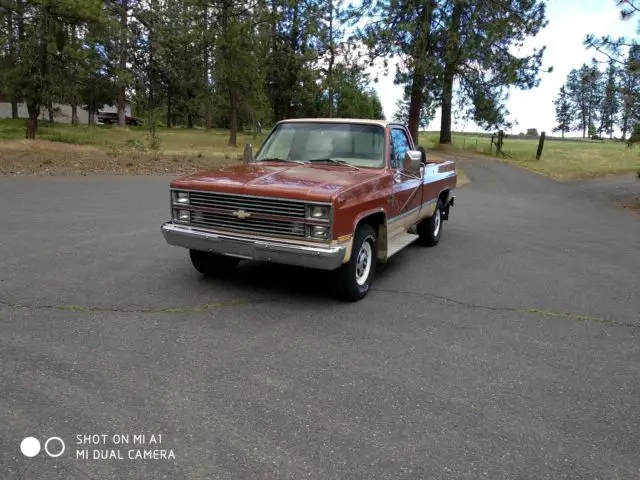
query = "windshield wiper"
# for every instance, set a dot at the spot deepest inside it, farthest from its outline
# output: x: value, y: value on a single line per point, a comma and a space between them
x: 279, y: 160
x: 333, y: 160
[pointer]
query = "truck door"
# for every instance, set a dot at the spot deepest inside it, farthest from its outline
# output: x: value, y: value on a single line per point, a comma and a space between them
x: 407, y: 189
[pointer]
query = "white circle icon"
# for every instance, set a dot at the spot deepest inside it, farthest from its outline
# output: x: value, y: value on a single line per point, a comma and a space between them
x: 46, y: 447
x: 30, y: 447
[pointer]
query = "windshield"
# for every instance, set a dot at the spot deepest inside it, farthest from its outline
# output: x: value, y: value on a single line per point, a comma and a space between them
x: 351, y: 143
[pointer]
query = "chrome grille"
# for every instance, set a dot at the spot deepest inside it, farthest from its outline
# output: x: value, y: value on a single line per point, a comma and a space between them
x: 257, y: 205
x: 248, y: 225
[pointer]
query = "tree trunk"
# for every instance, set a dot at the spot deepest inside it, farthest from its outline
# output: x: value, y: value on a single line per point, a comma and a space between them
x: 233, y: 118
x: 208, y: 118
x: 13, y: 42
x: 420, y: 50
x: 415, y: 105
x: 14, y: 108
x: 32, y: 124
x: 74, y: 114
x: 74, y: 102
x: 122, y: 65
x: 39, y: 70
x: 189, y: 120
x: 92, y: 111
x: 447, y: 106
x: 150, y: 74
x: 451, y: 59
x: 20, y: 21
x: 332, y: 58
x: 168, y: 109
x: 51, y: 116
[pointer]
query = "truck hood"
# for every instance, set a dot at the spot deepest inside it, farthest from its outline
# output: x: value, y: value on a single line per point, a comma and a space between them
x: 291, y: 180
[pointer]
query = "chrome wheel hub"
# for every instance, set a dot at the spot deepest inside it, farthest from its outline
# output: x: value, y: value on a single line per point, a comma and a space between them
x: 436, y: 223
x: 363, y: 263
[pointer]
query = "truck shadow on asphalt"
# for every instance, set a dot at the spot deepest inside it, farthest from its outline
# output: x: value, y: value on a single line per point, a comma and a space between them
x: 271, y: 279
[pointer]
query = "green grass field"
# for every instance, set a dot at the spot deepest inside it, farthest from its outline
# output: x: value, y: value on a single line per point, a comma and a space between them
x: 568, y: 159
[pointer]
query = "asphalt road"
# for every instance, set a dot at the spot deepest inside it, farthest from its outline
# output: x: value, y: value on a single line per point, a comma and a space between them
x: 511, y: 350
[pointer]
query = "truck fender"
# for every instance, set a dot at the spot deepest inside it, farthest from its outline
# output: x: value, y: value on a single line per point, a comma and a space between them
x: 381, y: 229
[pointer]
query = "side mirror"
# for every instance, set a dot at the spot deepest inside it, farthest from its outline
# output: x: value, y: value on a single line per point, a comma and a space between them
x: 248, y: 153
x: 412, y: 162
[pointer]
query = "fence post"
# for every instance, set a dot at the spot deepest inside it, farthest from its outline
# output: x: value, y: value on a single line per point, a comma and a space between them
x: 500, y: 141
x: 540, y: 145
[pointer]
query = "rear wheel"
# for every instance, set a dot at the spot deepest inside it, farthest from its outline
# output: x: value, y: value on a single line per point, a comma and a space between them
x: 211, y: 264
x: 430, y: 229
x: 353, y: 279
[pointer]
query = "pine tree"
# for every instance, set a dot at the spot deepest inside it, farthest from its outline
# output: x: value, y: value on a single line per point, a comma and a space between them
x: 476, y: 52
x: 584, y: 87
x: 564, y: 112
x: 610, y: 106
x: 42, y: 51
x: 629, y: 88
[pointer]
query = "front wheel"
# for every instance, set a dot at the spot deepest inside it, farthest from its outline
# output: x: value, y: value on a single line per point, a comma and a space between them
x: 354, y: 278
x: 430, y: 229
x: 211, y: 264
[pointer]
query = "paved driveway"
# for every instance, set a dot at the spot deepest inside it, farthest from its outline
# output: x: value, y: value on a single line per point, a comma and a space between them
x: 511, y: 350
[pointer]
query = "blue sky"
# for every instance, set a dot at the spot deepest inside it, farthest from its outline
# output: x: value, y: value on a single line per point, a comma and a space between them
x: 569, y: 23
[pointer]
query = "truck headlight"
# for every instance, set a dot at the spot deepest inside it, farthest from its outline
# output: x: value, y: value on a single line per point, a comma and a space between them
x: 181, y: 198
x: 319, y: 231
x: 181, y: 216
x: 318, y: 212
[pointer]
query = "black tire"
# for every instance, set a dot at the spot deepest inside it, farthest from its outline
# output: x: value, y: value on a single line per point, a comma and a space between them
x: 211, y: 264
x: 430, y: 229
x: 347, y: 285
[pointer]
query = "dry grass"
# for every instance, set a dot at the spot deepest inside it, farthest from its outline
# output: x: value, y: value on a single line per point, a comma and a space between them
x: 462, y: 178
x: 66, y: 150
x: 43, y: 157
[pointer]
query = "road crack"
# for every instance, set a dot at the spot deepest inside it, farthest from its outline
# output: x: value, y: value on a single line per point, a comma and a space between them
x: 533, y: 311
x: 89, y: 308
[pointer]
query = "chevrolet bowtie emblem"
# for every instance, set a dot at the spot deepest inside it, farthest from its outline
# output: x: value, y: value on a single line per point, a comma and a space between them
x: 241, y: 214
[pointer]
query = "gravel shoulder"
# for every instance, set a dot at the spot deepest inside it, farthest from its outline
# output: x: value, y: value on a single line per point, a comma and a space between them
x: 622, y: 190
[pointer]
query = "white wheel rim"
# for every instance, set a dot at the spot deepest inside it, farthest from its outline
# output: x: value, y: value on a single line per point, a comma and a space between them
x: 436, y: 223
x: 363, y: 263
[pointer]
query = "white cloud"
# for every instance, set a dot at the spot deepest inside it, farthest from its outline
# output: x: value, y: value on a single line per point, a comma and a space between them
x: 569, y: 23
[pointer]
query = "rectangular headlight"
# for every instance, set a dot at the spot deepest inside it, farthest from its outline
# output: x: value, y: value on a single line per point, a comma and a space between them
x: 181, y: 198
x: 182, y: 216
x: 320, y: 232
x: 319, y: 212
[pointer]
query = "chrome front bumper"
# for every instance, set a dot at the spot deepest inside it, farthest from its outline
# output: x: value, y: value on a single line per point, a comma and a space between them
x: 319, y: 257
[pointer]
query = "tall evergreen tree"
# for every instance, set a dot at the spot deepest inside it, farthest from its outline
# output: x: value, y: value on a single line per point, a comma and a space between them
x: 564, y: 112
x: 610, y: 106
x: 42, y: 50
x: 404, y: 28
x: 629, y: 92
x: 476, y: 52
x: 584, y: 87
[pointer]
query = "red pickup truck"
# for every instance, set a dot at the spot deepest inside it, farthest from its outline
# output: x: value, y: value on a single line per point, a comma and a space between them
x: 331, y: 194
